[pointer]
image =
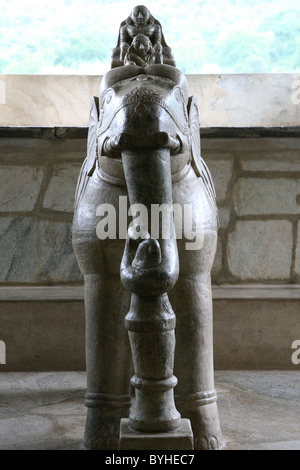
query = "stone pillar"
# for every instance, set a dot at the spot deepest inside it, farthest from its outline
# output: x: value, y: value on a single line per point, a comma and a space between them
x: 150, y: 323
x: 154, y: 422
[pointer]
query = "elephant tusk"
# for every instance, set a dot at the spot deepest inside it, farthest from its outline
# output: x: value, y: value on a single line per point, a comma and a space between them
x: 159, y: 140
x: 117, y: 142
x: 165, y: 140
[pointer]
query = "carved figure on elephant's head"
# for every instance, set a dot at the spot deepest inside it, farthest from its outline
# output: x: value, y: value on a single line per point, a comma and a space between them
x: 140, y: 21
x: 142, y: 53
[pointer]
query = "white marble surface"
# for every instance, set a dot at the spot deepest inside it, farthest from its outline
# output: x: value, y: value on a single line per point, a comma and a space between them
x: 46, y: 100
x: 246, y: 100
x: 226, y: 100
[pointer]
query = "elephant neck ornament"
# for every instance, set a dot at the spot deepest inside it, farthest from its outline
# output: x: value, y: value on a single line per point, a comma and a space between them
x: 143, y: 178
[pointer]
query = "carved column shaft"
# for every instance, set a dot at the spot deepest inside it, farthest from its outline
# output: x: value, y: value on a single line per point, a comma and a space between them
x: 150, y: 323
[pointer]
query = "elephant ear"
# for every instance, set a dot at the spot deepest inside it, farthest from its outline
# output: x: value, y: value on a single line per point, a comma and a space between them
x: 89, y: 163
x: 198, y: 163
x: 92, y: 136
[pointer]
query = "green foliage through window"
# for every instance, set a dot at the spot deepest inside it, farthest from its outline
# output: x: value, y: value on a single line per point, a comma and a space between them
x: 207, y: 36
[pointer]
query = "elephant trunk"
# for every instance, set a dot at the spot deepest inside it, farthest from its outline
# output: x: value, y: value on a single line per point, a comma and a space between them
x: 150, y: 264
x: 149, y: 269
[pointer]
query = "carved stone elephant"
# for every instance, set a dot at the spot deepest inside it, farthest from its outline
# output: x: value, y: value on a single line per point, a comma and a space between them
x: 144, y: 145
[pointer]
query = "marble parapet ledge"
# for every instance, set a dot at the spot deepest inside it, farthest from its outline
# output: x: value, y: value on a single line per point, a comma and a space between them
x: 73, y: 293
x: 206, y: 132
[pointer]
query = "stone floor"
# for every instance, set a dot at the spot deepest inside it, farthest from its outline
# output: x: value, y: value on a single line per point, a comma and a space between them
x: 259, y: 410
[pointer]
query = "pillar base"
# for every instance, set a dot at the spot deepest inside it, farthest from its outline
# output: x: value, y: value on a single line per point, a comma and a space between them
x: 180, y: 439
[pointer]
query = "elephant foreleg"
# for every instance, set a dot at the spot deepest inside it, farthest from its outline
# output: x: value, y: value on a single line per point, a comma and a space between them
x: 195, y: 395
x: 108, y: 360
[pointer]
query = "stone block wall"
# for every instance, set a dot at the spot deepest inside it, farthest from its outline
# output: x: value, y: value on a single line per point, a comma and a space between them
x: 258, y: 195
x: 39, y: 175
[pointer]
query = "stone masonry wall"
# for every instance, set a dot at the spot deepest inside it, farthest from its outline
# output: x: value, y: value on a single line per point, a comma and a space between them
x: 38, y: 181
x: 258, y: 195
